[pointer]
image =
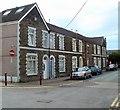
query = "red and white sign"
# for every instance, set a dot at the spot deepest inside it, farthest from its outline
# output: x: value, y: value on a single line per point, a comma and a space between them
x: 12, y: 53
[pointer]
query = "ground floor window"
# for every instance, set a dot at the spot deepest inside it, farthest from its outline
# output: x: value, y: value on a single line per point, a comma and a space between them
x: 95, y: 61
x: 32, y: 64
x: 104, y: 63
x: 74, y: 62
x: 61, y: 63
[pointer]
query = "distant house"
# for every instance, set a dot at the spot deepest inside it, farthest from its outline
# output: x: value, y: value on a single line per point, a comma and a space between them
x: 43, y: 48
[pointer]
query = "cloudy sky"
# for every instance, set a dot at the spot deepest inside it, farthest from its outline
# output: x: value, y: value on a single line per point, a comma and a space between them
x: 97, y: 18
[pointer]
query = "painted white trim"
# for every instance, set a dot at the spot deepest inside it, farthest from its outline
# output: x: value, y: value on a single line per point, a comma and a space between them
x: 34, y: 35
x: 64, y: 63
x: 14, y: 78
x: 76, y: 63
x: 8, y: 23
x: 36, y: 60
x: 42, y: 49
x: 18, y: 52
x: 39, y: 13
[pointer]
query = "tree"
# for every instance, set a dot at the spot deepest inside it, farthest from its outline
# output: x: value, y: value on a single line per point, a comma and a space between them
x: 114, y: 57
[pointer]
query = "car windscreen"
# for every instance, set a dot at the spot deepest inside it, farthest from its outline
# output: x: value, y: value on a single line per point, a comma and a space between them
x: 81, y: 69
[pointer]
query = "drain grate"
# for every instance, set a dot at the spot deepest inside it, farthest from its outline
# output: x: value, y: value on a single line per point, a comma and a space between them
x: 44, y: 101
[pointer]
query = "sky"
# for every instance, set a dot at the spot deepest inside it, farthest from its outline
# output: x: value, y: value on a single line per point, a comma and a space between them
x: 97, y: 18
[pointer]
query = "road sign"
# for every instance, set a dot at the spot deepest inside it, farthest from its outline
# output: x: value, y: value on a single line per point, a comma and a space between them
x: 12, y: 53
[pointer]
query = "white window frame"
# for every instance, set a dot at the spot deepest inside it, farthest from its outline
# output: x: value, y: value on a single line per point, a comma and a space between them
x: 80, y: 45
x: 62, y: 56
x: 61, y: 41
x: 95, y: 60
x: 74, y: 44
x: 104, y: 62
x: 45, y: 37
x: 36, y: 63
x: 52, y: 40
x: 74, y: 58
x: 98, y: 50
x: 34, y: 35
x: 94, y: 46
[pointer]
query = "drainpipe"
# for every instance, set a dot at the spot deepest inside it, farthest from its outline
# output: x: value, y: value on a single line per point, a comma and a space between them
x: 49, y: 51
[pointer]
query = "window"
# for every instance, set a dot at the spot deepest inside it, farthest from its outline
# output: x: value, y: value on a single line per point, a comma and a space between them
x: 45, y: 39
x: 98, y: 49
x: 94, y: 49
x: 88, y: 61
x: 61, y: 42
x: 99, y: 62
x: 31, y: 64
x: 103, y: 51
x: 80, y: 46
x: 52, y: 40
x: 19, y: 10
x: 88, y: 48
x: 104, y: 63
x: 31, y: 36
x: 6, y: 12
x: 95, y: 61
x: 74, y: 62
x: 61, y: 63
x: 74, y: 44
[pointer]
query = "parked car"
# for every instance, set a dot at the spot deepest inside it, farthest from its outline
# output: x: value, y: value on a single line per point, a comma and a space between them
x: 95, y: 70
x: 81, y: 72
x: 99, y: 69
x: 111, y: 67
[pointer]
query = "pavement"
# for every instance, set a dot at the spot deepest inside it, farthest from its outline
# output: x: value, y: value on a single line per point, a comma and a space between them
x: 45, y: 83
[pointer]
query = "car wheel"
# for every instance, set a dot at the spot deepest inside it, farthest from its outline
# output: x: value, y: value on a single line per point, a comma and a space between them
x: 85, y: 77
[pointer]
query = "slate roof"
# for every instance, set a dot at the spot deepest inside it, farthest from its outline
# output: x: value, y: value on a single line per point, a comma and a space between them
x: 97, y: 40
x: 13, y: 16
x: 66, y: 32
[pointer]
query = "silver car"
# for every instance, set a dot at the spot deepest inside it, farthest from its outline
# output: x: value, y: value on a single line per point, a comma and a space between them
x: 82, y: 72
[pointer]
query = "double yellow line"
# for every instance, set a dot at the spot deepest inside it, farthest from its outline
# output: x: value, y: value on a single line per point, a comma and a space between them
x: 115, y: 103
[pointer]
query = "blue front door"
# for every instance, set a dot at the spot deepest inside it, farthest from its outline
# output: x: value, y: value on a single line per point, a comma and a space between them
x: 51, y: 69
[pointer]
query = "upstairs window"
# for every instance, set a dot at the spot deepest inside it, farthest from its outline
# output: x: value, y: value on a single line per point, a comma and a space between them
x: 6, y: 12
x: 52, y: 41
x: 98, y: 50
x: 80, y: 46
x: 61, y: 42
x: 94, y: 46
x: 45, y: 39
x: 74, y: 44
x: 31, y: 36
x: 19, y: 10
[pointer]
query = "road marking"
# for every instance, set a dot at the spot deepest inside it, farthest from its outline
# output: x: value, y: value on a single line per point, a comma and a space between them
x: 115, y: 103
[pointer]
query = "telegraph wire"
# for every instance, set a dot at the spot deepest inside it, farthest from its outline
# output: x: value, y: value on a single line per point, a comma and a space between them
x: 76, y: 14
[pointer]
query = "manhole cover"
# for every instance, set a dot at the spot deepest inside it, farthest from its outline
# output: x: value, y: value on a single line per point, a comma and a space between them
x: 44, y: 101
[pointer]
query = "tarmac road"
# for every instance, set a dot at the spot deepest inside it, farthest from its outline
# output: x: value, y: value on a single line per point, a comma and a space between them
x: 97, y: 92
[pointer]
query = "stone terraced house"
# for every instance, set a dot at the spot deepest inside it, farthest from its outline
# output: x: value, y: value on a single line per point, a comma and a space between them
x: 43, y: 48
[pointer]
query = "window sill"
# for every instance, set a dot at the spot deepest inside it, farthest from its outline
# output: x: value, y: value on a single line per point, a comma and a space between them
x: 32, y: 74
